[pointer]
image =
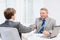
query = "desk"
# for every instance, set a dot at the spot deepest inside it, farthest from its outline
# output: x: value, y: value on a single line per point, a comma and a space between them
x: 33, y: 36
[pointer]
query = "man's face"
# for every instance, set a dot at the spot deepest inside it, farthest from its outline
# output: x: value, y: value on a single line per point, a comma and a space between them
x: 43, y: 14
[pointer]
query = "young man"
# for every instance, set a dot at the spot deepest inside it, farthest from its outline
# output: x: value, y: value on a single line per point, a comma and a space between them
x: 9, y: 14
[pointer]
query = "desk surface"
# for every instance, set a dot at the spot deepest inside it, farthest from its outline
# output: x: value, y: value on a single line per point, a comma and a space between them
x: 29, y: 36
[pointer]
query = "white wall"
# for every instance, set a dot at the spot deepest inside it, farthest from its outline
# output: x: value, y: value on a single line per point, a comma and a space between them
x: 28, y: 10
x: 54, y: 9
x: 2, y: 7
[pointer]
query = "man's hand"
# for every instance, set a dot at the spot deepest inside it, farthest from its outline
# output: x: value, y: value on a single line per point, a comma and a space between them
x: 46, y: 33
x: 34, y: 26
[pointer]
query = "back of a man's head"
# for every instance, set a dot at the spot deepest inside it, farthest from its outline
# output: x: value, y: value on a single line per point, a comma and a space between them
x: 9, y: 12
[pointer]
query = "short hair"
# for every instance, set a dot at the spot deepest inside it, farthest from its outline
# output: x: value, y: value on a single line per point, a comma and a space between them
x: 9, y: 12
x: 45, y: 9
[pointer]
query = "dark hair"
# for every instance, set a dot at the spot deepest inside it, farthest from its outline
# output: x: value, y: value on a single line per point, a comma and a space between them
x: 9, y: 12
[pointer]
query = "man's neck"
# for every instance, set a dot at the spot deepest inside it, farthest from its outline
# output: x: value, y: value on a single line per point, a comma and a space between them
x: 44, y: 18
x: 10, y: 19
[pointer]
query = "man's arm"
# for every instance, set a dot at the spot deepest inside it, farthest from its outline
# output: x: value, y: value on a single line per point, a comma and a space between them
x: 53, y: 26
x: 53, y: 29
x: 35, y: 25
x: 24, y: 29
x: 50, y: 32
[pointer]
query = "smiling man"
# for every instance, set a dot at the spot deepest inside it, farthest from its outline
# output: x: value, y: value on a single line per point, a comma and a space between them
x: 44, y: 24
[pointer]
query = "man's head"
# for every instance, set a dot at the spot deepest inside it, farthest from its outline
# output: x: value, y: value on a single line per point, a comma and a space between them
x: 9, y: 13
x: 43, y: 12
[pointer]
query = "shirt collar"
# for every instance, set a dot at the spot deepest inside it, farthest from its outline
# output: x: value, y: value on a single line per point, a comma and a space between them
x: 45, y: 18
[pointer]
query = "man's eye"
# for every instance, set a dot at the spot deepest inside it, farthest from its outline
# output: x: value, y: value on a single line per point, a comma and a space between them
x: 41, y: 13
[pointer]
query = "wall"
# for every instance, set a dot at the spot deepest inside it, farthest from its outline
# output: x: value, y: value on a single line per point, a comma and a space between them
x: 28, y: 10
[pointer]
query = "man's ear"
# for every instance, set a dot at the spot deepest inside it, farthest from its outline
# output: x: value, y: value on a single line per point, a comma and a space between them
x: 12, y: 17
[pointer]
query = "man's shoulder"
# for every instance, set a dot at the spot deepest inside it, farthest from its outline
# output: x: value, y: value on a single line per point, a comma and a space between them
x: 52, y: 19
x: 48, y: 18
x: 10, y: 24
x: 37, y: 18
x: 16, y: 23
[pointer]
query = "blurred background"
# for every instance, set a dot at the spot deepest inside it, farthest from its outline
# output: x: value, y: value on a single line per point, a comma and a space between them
x: 28, y: 10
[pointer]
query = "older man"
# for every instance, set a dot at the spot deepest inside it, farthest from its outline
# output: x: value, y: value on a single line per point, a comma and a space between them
x: 44, y: 24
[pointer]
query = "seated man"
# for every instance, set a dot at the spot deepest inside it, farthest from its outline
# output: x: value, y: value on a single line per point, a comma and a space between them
x: 44, y: 24
x: 9, y: 14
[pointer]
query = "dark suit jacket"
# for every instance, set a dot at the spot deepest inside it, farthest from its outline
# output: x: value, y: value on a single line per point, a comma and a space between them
x: 18, y: 25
